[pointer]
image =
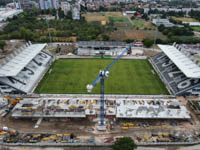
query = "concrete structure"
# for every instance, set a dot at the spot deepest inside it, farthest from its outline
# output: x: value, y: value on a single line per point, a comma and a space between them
x: 164, y: 22
x: 92, y: 48
x: 28, y: 4
x: 66, y: 7
x: 6, y: 13
x: 152, y: 109
x: 192, y: 23
x: 17, y: 4
x: 187, y: 10
x: 76, y: 12
x: 81, y: 107
x: 131, y: 12
x: 47, y: 4
x: 137, y: 52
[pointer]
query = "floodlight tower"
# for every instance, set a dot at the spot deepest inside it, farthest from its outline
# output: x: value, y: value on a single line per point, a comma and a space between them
x: 101, y: 76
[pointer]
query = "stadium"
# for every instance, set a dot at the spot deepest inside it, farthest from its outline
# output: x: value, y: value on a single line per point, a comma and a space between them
x: 169, y: 72
x: 54, y: 87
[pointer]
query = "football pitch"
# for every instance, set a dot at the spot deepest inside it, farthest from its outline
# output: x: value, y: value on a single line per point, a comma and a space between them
x: 70, y: 76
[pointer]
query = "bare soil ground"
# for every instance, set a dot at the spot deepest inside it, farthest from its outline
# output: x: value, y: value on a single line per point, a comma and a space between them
x: 184, y: 19
x: 77, y: 126
x: 128, y: 33
x: 150, y: 53
x: 101, y: 16
x: 11, y: 46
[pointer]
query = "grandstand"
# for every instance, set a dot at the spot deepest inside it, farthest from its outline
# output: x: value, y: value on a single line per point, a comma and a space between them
x: 178, y: 69
x: 92, y: 48
x: 22, y: 69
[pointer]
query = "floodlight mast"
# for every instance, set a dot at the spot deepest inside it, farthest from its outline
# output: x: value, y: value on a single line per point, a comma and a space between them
x: 101, y: 76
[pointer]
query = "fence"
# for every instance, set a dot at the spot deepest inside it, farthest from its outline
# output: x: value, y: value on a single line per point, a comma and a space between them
x: 98, y: 144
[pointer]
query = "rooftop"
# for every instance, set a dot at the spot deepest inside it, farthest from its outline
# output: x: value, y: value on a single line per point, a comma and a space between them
x: 8, y: 13
x: 152, y: 108
x: 83, y: 106
x: 187, y: 66
x: 101, y: 43
x: 14, y: 63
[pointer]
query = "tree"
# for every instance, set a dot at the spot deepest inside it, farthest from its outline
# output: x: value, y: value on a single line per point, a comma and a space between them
x: 61, y: 13
x: 2, y: 44
x: 145, y: 16
x: 125, y: 143
x: 132, y: 17
x: 105, y: 37
x: 147, y: 42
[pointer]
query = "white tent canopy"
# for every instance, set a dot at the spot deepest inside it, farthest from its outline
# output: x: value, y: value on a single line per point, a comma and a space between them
x: 187, y: 66
x: 16, y: 63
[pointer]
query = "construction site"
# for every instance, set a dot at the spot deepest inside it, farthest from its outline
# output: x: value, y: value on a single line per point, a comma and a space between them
x: 66, y: 119
x: 32, y: 119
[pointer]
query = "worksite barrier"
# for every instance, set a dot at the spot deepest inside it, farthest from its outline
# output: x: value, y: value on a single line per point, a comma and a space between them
x: 106, y: 96
x: 97, y: 144
x: 115, y: 96
x: 91, y: 57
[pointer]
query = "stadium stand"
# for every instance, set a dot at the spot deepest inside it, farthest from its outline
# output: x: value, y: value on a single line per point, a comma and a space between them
x: 21, y: 70
x: 177, y: 70
x: 92, y: 48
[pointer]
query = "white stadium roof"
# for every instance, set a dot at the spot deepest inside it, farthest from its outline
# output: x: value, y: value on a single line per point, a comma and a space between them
x: 6, y: 13
x: 187, y: 66
x: 13, y: 66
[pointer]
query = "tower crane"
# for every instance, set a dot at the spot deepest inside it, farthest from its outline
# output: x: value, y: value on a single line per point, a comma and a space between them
x: 101, y: 76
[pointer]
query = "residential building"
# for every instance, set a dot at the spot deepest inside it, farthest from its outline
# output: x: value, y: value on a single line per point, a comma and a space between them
x: 76, y: 12
x: 164, y: 22
x: 47, y: 4
x: 66, y: 7
x: 28, y: 4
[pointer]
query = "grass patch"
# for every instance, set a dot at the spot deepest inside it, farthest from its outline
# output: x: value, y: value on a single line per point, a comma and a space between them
x: 196, y: 29
x: 141, y: 24
x: 138, y: 23
x: 126, y: 77
x: 97, y: 16
x: 184, y: 19
x: 118, y: 19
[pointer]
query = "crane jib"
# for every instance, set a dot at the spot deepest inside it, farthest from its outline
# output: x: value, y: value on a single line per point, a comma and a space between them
x: 103, y: 74
x: 111, y: 64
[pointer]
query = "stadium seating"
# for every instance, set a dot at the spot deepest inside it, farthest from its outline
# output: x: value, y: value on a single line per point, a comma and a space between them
x: 28, y: 77
x: 173, y: 77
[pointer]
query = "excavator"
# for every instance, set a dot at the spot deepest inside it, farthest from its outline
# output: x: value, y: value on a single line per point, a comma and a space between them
x: 13, y: 100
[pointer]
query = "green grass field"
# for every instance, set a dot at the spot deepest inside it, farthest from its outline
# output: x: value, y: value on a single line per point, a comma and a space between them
x: 196, y: 29
x: 138, y: 23
x: 126, y: 77
x: 118, y: 19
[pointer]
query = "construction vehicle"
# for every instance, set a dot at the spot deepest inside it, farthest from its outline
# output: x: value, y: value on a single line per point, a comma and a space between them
x: 13, y: 100
x: 101, y: 77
